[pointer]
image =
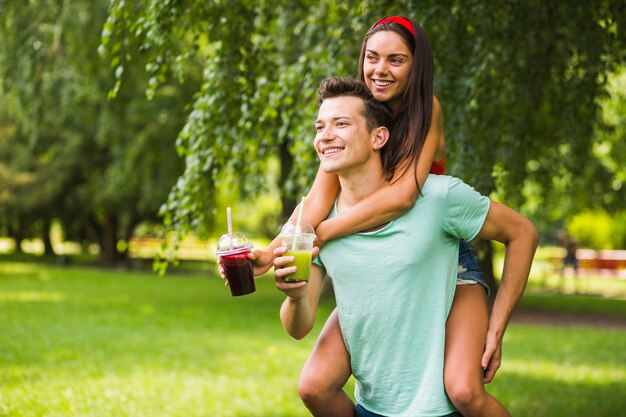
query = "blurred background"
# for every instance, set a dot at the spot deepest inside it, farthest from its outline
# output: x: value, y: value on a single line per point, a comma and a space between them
x: 120, y: 121
x: 128, y: 127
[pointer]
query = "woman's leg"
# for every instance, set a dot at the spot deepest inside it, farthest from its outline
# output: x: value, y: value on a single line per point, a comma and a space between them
x: 466, y: 331
x: 325, y: 373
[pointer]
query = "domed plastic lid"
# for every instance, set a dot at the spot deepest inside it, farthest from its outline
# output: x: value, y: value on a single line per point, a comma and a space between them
x: 228, y: 245
x: 291, y: 228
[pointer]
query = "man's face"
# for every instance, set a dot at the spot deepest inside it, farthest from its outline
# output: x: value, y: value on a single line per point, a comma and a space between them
x: 342, y: 141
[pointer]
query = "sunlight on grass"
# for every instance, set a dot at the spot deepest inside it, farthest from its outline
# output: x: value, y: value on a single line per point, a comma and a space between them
x: 556, y: 371
x: 28, y: 296
x: 85, y: 342
x: 157, y: 393
x: 12, y: 268
x: 568, y: 372
x: 133, y: 344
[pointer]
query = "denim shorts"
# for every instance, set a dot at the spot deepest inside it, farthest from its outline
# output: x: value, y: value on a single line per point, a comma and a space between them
x: 362, y: 412
x: 469, y: 272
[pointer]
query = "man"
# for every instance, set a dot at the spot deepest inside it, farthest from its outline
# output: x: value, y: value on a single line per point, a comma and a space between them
x: 394, y: 286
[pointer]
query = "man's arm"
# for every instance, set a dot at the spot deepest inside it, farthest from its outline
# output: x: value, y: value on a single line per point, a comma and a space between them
x: 297, y: 312
x: 520, y: 237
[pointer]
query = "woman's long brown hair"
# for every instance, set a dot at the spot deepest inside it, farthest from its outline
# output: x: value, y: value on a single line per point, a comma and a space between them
x: 413, y: 118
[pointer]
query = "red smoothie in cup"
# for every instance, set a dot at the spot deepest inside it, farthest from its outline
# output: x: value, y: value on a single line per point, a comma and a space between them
x: 233, y: 252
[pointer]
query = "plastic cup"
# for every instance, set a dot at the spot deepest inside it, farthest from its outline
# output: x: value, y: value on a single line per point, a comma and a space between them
x: 233, y: 252
x: 299, y: 243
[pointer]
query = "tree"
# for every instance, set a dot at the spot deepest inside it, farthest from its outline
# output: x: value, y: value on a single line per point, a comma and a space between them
x: 101, y: 167
x: 257, y: 94
x: 529, y: 77
x: 519, y: 82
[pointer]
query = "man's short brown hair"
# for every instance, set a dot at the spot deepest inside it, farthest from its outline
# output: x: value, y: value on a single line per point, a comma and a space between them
x: 376, y: 113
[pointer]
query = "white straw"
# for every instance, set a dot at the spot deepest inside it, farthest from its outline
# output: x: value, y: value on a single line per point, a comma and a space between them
x: 229, y: 220
x: 298, y: 228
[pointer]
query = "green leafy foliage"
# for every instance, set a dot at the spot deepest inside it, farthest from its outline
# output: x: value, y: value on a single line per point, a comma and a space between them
x: 532, y: 107
x: 100, y: 166
x: 599, y: 230
x: 520, y: 84
x: 257, y: 97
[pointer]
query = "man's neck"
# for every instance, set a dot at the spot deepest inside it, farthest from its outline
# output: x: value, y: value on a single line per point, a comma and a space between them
x: 359, y: 184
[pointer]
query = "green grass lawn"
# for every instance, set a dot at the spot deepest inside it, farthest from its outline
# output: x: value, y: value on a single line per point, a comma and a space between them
x: 87, y: 342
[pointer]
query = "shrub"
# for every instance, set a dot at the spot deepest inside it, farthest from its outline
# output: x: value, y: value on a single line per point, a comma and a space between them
x: 598, y: 230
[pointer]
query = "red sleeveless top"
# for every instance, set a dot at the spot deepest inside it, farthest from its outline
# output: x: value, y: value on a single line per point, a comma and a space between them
x: 438, y: 167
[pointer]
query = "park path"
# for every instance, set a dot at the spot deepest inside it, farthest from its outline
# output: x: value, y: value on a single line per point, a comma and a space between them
x: 559, y: 318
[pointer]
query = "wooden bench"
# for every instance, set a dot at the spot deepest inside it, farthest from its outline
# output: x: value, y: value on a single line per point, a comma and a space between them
x: 190, y: 249
x: 596, y: 262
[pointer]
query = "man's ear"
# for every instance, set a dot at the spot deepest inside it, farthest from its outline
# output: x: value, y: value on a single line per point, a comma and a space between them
x: 380, y: 138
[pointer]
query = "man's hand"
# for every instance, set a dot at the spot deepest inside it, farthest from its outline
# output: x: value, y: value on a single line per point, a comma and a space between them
x: 297, y: 289
x: 262, y: 260
x: 492, y: 357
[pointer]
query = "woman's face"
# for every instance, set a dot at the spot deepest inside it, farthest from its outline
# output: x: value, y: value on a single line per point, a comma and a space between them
x: 387, y: 66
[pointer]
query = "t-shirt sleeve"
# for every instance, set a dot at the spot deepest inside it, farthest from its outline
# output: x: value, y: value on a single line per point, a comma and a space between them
x: 465, y: 210
x: 318, y: 260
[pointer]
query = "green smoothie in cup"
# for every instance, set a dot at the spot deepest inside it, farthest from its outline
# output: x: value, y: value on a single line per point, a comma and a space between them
x: 299, y: 240
x: 302, y: 263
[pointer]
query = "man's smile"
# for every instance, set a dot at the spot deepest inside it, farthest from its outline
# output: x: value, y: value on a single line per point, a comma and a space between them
x: 330, y: 150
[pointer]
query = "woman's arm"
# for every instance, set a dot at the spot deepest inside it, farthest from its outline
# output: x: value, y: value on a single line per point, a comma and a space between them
x: 393, y: 200
x: 320, y: 199
x: 318, y: 203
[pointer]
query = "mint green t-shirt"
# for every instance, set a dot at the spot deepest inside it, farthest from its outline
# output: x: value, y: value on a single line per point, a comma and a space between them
x: 394, y: 288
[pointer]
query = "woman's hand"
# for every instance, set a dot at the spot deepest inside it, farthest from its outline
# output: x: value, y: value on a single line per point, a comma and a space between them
x: 321, y: 235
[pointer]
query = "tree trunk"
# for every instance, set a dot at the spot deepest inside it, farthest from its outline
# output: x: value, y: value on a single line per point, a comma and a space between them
x: 128, y: 234
x: 92, y: 233
x: 286, y: 163
x: 18, y: 244
x: 48, y: 250
x: 15, y: 232
x: 484, y: 254
x: 108, y: 242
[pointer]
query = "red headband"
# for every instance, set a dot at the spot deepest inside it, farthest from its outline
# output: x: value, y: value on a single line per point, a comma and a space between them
x: 402, y: 21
